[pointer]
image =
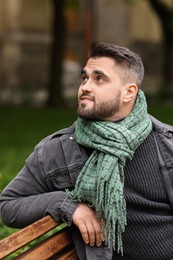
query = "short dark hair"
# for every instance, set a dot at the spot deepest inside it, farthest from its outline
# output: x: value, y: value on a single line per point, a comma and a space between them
x: 130, y: 62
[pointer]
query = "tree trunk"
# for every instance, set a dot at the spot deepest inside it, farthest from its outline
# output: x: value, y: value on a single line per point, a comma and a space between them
x: 168, y: 66
x: 165, y: 15
x: 55, y: 97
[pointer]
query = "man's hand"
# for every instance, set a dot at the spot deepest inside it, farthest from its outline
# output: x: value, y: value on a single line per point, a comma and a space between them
x: 86, y: 220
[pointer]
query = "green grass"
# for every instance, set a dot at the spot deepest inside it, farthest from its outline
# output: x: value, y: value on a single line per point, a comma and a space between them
x: 22, y: 128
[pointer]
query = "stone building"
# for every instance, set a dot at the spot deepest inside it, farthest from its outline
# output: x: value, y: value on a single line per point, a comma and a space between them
x: 25, y: 41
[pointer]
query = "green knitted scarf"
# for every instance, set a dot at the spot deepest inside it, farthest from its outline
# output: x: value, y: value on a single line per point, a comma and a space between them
x: 101, y: 181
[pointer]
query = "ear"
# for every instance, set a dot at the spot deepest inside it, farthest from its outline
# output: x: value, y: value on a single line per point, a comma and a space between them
x: 130, y: 92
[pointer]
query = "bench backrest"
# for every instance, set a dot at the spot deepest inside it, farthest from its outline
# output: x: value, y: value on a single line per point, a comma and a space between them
x: 57, y: 246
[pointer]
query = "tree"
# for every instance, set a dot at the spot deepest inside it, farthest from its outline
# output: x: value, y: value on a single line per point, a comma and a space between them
x: 165, y: 14
x: 55, y: 97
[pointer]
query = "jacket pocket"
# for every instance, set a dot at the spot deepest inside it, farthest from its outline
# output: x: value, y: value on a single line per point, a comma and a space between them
x: 74, y: 171
x: 63, y: 178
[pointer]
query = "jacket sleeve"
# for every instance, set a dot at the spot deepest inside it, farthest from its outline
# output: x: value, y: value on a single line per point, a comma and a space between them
x: 28, y: 198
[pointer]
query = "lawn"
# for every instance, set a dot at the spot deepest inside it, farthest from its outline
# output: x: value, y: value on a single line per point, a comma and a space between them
x: 22, y: 128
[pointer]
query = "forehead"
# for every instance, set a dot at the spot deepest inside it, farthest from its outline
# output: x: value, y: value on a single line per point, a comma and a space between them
x: 105, y: 64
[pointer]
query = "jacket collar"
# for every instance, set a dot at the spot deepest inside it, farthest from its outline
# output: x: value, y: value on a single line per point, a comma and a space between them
x: 161, y: 127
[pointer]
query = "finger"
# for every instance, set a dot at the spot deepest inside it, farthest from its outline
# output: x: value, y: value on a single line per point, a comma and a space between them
x: 84, y: 232
x: 91, y: 233
x: 98, y: 234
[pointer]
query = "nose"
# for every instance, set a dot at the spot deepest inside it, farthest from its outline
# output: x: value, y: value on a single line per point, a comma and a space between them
x: 87, y: 86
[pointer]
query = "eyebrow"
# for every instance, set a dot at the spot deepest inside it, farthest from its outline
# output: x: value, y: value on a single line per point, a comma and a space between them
x: 96, y: 72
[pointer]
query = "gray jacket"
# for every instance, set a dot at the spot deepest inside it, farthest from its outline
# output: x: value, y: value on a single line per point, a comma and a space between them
x: 54, y: 166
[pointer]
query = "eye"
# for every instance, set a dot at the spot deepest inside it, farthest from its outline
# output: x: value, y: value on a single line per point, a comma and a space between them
x: 84, y: 78
x: 100, y: 78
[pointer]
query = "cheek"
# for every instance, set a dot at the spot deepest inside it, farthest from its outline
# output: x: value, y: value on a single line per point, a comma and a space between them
x: 79, y: 92
x: 107, y: 94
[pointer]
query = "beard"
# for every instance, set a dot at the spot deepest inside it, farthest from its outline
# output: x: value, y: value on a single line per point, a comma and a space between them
x: 100, y: 111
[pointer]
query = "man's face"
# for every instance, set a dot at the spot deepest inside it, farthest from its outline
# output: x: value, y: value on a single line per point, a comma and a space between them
x: 99, y: 95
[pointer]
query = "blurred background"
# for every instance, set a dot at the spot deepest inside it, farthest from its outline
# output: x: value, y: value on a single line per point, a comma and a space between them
x: 44, y: 45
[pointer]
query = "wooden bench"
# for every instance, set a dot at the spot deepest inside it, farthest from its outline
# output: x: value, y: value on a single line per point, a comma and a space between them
x: 56, y: 246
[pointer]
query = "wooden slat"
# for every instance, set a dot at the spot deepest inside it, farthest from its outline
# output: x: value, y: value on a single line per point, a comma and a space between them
x: 24, y: 236
x: 48, y: 247
x: 69, y: 255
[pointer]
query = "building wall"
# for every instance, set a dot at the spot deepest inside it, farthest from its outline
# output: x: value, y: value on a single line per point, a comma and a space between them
x: 113, y: 21
x: 25, y: 50
x: 137, y: 27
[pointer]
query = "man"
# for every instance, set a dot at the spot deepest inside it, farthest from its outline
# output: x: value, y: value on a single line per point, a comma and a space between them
x: 107, y: 176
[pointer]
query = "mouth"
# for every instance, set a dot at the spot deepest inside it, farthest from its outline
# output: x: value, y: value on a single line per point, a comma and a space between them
x: 86, y: 99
